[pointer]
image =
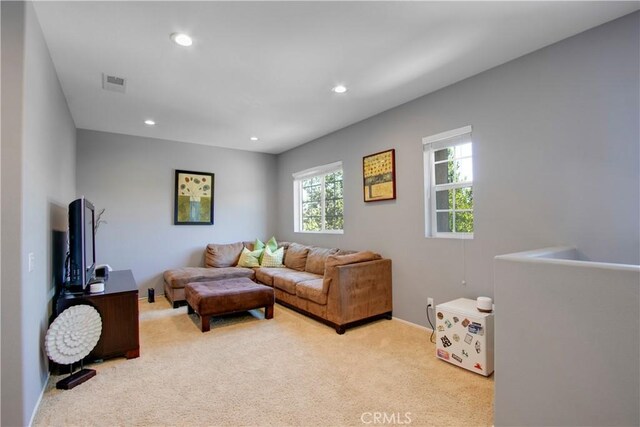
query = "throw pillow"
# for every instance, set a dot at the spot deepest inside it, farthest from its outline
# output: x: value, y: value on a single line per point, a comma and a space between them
x: 249, y: 258
x: 272, y: 244
x: 272, y: 259
x: 316, y: 259
x: 258, y: 245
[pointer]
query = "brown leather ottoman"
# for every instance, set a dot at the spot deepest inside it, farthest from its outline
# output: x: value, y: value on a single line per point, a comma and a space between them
x: 227, y: 296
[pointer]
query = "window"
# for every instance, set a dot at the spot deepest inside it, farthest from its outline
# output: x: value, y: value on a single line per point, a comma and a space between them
x: 448, y: 176
x: 318, y: 199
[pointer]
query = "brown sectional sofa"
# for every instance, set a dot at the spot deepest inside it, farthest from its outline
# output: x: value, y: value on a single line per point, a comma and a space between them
x: 340, y: 288
x: 220, y: 262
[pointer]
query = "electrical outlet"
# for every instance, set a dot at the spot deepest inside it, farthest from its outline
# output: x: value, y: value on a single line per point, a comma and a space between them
x: 430, y: 303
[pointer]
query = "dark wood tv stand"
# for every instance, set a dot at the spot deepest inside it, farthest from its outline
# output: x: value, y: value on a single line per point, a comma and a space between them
x: 118, y: 307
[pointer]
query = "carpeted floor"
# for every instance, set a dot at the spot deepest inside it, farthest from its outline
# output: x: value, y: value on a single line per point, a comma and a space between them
x: 290, y: 370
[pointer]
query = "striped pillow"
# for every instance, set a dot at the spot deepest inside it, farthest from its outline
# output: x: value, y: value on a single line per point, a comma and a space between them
x: 272, y: 259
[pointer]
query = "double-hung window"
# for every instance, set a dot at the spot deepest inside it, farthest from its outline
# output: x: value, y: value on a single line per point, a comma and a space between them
x: 318, y: 199
x: 448, y: 177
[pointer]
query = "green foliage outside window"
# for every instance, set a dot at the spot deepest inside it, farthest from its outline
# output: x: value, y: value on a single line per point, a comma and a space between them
x: 312, y: 203
x: 454, y: 205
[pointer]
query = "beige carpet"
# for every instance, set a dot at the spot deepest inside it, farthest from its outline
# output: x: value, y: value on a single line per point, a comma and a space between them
x: 290, y: 370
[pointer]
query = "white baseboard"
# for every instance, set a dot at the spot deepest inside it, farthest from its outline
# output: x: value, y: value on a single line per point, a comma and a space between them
x: 412, y: 324
x: 37, y: 406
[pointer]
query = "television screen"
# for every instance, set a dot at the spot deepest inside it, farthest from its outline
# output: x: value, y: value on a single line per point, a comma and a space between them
x: 89, y: 247
x: 82, y: 250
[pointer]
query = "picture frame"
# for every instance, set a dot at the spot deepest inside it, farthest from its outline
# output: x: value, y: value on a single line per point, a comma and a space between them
x: 193, y: 198
x: 379, y: 176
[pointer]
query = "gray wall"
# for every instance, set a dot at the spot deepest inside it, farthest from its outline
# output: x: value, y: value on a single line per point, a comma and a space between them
x: 133, y: 179
x: 11, y: 158
x: 556, y: 158
x: 38, y: 160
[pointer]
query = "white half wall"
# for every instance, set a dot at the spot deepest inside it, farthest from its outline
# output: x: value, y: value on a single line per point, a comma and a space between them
x: 567, y: 341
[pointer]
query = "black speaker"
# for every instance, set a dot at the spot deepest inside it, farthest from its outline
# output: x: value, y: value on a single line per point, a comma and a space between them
x: 58, y: 256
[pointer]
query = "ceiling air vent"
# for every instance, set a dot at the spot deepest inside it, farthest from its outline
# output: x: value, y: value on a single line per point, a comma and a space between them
x: 113, y: 83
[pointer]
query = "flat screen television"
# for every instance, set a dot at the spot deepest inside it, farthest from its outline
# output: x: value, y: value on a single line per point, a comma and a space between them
x: 82, y: 247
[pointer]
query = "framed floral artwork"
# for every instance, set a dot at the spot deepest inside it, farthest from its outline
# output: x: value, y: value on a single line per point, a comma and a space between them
x: 193, y: 198
x: 379, y: 176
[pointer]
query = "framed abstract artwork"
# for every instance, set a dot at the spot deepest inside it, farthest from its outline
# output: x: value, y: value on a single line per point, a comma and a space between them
x: 379, y: 176
x: 193, y: 198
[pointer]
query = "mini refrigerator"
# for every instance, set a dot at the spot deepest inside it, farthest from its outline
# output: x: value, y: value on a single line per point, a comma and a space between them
x: 464, y: 336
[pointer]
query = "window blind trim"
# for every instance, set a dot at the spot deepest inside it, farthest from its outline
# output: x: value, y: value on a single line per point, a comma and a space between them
x: 318, y: 170
x: 450, y: 134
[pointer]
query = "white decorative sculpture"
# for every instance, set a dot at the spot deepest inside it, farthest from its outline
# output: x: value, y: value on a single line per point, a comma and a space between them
x: 71, y: 337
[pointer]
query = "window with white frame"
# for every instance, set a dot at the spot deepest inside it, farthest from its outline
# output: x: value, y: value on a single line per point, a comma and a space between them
x: 448, y: 177
x: 318, y: 199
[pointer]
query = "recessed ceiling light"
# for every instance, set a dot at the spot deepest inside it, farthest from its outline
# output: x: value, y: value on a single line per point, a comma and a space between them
x: 149, y: 122
x: 339, y: 89
x: 254, y: 138
x: 182, y: 39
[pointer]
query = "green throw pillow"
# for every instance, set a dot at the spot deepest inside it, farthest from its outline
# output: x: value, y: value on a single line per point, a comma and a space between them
x: 272, y: 259
x: 249, y: 258
x: 272, y: 244
x: 258, y: 245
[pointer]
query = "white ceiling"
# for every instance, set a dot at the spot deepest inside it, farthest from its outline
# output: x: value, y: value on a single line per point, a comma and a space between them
x: 266, y: 68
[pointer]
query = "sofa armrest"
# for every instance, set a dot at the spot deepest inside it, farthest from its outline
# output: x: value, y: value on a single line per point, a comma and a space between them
x: 359, y: 291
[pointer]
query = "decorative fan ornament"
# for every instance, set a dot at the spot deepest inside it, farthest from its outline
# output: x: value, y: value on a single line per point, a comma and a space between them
x: 71, y: 337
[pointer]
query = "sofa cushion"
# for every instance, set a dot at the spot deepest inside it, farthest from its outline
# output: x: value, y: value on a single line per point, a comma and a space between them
x: 312, y: 291
x: 296, y: 256
x: 316, y: 259
x: 179, y: 277
x: 286, y: 281
x: 265, y: 275
x: 226, y: 255
x: 363, y: 256
x: 284, y: 245
x: 343, y: 252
